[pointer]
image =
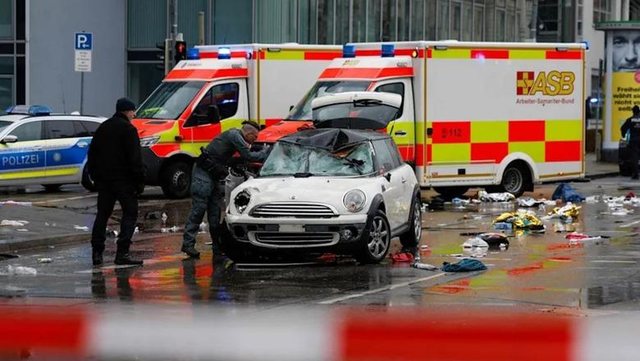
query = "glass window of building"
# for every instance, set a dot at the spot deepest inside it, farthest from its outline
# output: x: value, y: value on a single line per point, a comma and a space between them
x: 325, y: 21
x: 146, y: 23
x: 478, y: 22
x: 431, y: 12
x: 6, y: 65
x: 188, y: 19
x: 6, y: 17
x: 359, y: 21
x: 443, y: 20
x: 467, y: 20
x: 404, y: 20
x: 6, y: 93
x: 602, y: 10
x: 417, y: 20
x: 374, y: 19
x: 500, y: 24
x: 456, y: 21
x: 342, y: 22
x: 233, y: 22
x: 389, y: 18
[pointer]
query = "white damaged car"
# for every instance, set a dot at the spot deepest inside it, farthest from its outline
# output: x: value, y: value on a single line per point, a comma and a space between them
x: 330, y: 189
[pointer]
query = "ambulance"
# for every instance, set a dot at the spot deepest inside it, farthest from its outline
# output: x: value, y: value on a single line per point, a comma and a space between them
x: 215, y: 89
x: 498, y: 115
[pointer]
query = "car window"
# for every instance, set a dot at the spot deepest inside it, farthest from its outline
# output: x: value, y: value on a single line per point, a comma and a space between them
x: 395, y: 153
x: 85, y: 128
x: 385, y: 160
x: 224, y: 96
x: 60, y: 129
x: 395, y: 88
x: 4, y: 124
x: 29, y: 131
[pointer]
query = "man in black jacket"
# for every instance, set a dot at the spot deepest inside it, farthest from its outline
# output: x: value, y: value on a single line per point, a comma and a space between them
x: 632, y: 125
x: 115, y: 165
x: 208, y: 172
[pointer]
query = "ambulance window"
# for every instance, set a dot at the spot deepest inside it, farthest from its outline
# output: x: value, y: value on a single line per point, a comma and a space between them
x: 395, y: 88
x: 224, y: 96
x: 28, y: 132
x: 60, y: 129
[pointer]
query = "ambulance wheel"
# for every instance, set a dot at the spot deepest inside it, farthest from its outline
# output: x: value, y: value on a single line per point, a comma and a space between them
x: 516, y: 179
x: 176, y: 180
x: 451, y: 192
x: 50, y: 188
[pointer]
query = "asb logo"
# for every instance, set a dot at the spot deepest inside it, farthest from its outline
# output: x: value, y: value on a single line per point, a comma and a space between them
x: 547, y: 83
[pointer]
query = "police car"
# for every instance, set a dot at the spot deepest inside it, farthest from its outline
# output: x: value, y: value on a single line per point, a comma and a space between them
x: 38, y: 147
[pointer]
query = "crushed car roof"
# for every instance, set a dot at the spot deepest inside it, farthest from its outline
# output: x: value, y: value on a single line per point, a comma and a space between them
x: 332, y: 139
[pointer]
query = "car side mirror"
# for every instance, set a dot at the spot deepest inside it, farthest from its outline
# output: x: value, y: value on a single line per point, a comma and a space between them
x: 388, y: 177
x: 9, y: 139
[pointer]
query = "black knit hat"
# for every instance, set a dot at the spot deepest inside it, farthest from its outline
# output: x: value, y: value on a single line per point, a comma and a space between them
x: 635, y: 109
x: 124, y: 104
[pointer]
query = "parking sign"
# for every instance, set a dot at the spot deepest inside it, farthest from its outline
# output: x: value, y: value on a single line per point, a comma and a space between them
x: 84, y: 41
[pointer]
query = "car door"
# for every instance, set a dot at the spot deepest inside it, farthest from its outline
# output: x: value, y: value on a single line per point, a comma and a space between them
x: 407, y: 179
x: 22, y: 162
x: 386, y: 164
x: 65, y: 151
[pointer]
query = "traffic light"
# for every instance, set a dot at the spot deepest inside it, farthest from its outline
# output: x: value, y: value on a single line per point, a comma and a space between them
x: 180, y: 51
x: 165, y: 55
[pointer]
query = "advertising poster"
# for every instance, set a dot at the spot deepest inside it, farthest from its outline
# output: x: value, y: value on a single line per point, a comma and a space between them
x: 625, y: 76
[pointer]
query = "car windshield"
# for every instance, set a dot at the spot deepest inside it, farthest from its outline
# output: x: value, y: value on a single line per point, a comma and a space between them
x: 169, y: 100
x: 364, y: 108
x: 288, y: 159
x: 4, y: 124
x: 302, y: 111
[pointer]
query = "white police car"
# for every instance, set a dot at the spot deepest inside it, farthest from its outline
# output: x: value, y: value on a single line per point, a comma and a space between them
x: 37, y: 147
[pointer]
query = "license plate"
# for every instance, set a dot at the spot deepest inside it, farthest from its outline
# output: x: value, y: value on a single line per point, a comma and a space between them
x: 291, y: 228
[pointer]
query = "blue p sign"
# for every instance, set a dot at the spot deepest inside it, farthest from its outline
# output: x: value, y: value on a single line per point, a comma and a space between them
x: 84, y: 41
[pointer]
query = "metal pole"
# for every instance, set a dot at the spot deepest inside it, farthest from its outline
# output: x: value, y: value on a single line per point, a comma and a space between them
x: 81, y: 92
x: 201, y: 28
x: 533, y: 30
x: 598, y: 92
x: 174, y: 26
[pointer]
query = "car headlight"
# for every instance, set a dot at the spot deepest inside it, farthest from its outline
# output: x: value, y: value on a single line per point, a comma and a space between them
x: 241, y: 201
x: 354, y: 200
x: 149, y: 141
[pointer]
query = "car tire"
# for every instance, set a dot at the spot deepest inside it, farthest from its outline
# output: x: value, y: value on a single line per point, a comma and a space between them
x: 376, y: 239
x: 451, y: 192
x: 86, y: 181
x: 411, y: 238
x: 175, y: 180
x: 515, y: 179
x: 52, y: 188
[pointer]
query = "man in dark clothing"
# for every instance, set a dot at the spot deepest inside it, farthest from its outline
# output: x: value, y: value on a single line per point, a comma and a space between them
x: 632, y: 125
x: 115, y: 165
x: 210, y: 170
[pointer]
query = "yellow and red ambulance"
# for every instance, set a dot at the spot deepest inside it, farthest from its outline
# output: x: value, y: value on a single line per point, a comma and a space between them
x: 499, y: 115
x: 215, y: 89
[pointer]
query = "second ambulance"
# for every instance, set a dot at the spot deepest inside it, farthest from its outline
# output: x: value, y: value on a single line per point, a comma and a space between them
x: 499, y: 115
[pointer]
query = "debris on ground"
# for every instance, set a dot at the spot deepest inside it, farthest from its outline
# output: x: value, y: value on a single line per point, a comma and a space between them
x: 26, y: 204
x: 50, y: 224
x: 45, y: 260
x: 483, y: 196
x: 528, y: 202
x: 21, y: 271
x: 566, y: 193
x: 464, y: 265
x: 475, y: 242
x: 425, y: 266
x: 436, y: 204
x: 81, y: 228
x: 581, y: 237
x: 402, y: 257
x: 12, y: 223
x: 495, y: 240
x: 521, y: 219
x: 566, y: 213
x: 173, y: 229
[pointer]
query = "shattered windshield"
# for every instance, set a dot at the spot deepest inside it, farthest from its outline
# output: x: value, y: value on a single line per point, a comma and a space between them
x: 169, y: 100
x: 288, y: 159
x: 302, y: 111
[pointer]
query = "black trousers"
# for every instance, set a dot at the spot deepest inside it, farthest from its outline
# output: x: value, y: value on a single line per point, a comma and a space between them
x: 634, y: 154
x: 108, y: 194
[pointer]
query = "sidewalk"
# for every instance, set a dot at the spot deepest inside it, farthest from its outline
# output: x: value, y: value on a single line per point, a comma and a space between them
x: 48, y: 227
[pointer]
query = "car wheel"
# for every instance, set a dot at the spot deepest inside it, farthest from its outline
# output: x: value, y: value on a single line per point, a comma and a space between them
x: 51, y: 188
x: 86, y: 182
x: 176, y: 180
x: 451, y: 192
x: 411, y: 238
x: 515, y: 179
x: 376, y: 239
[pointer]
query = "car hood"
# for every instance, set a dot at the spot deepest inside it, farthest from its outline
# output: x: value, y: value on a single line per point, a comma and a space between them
x: 328, y: 190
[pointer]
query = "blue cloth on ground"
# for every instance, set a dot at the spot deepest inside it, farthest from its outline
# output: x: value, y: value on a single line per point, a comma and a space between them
x: 465, y: 265
x: 565, y: 192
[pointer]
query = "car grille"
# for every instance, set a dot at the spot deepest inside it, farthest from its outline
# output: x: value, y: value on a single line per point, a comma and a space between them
x: 294, y: 239
x: 293, y: 209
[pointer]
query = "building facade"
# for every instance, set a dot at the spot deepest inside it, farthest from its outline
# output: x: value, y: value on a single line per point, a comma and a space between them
x: 36, y: 49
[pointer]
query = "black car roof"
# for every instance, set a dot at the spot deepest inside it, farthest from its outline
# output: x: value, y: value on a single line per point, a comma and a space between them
x: 332, y: 139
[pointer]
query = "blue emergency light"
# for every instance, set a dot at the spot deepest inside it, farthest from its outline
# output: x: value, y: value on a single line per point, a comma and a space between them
x: 224, y: 53
x: 29, y: 110
x: 348, y: 51
x: 388, y: 51
x: 193, y: 54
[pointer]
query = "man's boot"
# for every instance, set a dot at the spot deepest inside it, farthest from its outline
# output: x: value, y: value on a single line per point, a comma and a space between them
x: 122, y: 257
x: 190, y: 251
x: 96, y: 257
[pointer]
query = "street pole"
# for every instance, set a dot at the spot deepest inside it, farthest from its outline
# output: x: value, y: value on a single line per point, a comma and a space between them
x: 81, y: 92
x: 174, y: 22
x: 201, y: 28
x: 598, y: 136
x: 533, y: 30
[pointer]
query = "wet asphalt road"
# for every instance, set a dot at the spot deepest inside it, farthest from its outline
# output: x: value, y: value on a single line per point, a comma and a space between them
x: 537, y: 272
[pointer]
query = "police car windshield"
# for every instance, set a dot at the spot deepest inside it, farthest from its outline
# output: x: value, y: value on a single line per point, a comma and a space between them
x: 169, y: 100
x: 302, y: 111
x: 4, y: 124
